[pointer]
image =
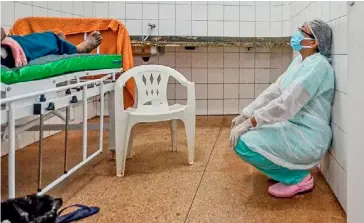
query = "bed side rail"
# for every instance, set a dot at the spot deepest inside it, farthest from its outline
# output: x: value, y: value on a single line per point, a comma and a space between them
x: 42, y: 109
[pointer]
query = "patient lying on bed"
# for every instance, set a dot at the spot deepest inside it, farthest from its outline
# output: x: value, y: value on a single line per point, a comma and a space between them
x: 19, y: 50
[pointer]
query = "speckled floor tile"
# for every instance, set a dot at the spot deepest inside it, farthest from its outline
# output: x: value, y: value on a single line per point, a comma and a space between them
x: 223, y: 158
x: 152, y: 148
x: 153, y: 156
x: 153, y: 197
x: 53, y: 160
x: 160, y: 186
x: 226, y: 122
x: 92, y: 194
x: 241, y: 196
x: 204, y: 124
x: 156, y: 154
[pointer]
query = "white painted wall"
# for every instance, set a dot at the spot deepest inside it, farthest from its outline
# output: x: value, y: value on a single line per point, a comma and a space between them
x: 355, y: 155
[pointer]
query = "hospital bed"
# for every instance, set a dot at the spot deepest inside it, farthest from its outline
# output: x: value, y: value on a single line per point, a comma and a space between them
x: 49, y: 87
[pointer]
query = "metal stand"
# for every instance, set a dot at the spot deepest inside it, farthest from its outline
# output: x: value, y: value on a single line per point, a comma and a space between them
x: 66, y: 138
x: 102, y: 104
x: 11, y: 156
x: 84, y: 129
x: 40, y: 150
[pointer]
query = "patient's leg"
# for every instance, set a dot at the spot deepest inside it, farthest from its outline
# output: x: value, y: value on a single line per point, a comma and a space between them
x: 92, y: 42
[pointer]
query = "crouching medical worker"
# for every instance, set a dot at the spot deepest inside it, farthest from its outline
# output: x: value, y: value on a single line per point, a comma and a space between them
x: 286, y: 130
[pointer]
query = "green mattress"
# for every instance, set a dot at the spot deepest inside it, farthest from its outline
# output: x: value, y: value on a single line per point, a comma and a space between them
x: 56, y: 65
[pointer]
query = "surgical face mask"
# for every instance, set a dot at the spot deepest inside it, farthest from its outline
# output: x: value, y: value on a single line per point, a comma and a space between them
x: 296, y: 41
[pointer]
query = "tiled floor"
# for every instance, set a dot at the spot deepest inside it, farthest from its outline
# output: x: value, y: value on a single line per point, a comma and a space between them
x: 160, y: 186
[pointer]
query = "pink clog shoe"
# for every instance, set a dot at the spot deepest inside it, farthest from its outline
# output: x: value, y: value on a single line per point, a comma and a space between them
x: 284, y: 191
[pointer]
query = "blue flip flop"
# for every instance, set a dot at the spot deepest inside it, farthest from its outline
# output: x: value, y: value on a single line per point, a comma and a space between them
x: 81, y: 213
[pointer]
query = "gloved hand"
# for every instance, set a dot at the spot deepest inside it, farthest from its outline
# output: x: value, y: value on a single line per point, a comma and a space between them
x: 239, y: 130
x: 238, y: 120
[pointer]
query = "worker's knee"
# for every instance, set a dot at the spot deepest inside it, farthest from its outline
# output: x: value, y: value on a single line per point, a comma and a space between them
x: 249, y: 156
x: 244, y: 152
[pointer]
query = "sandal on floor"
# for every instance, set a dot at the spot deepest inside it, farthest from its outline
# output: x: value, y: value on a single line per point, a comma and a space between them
x: 82, y: 212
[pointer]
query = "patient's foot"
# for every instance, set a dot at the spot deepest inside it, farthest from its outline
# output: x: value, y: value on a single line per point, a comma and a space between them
x: 92, y: 42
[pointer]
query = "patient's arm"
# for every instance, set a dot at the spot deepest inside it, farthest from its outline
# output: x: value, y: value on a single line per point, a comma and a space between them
x: 3, y: 34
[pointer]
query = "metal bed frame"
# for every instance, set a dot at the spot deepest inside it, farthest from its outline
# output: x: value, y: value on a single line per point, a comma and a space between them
x: 47, y: 98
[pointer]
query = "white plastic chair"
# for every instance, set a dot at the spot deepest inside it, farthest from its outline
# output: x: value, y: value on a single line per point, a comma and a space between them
x: 151, y: 82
